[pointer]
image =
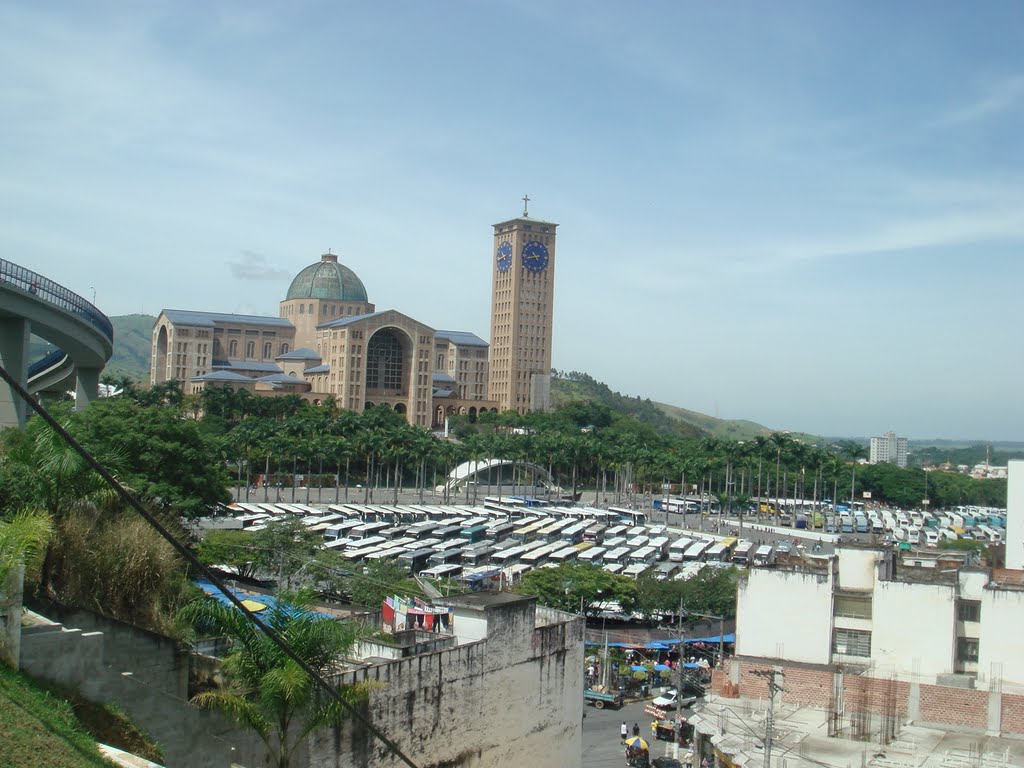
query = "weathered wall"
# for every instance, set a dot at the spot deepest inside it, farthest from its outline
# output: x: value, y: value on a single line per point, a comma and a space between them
x: 999, y: 646
x: 914, y: 628
x: 797, y: 607
x: 90, y: 662
x: 515, y: 698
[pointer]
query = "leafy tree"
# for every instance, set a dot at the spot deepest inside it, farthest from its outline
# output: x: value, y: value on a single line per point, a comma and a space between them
x: 267, y: 692
x: 231, y: 548
x: 572, y: 585
x: 378, y: 580
x: 284, y: 549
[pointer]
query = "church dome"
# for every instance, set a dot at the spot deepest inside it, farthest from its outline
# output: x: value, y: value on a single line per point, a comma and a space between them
x: 327, y: 279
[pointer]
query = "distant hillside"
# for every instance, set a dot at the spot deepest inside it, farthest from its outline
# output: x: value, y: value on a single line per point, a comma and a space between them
x: 725, y: 429
x: 575, y: 386
x: 132, y: 335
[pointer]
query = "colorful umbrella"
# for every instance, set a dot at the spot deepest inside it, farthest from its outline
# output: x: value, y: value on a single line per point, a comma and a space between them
x: 636, y: 742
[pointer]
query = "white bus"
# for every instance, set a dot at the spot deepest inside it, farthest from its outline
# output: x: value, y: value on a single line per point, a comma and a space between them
x: 631, y: 516
x: 764, y: 555
x: 646, y: 556
x: 616, y: 556
x: 634, y: 570
x: 593, y: 556
x: 743, y: 553
x: 697, y: 550
x: 447, y: 571
x: 677, y: 548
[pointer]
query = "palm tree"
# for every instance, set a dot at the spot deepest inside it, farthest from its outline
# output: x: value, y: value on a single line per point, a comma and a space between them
x: 780, y: 441
x: 266, y: 691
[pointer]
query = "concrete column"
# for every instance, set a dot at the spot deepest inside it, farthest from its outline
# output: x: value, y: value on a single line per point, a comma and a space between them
x: 14, y: 338
x: 88, y: 386
x: 10, y: 616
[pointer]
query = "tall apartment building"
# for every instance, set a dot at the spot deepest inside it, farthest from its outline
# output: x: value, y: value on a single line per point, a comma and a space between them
x: 523, y: 287
x: 889, y: 449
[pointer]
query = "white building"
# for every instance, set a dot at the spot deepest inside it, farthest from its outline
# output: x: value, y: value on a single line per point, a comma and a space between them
x: 889, y: 449
x: 870, y: 637
x: 1015, y: 515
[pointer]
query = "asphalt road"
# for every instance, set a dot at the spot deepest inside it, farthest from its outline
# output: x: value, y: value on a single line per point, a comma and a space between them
x: 601, y: 745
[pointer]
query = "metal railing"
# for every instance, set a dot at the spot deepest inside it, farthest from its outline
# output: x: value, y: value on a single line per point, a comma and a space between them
x: 56, y: 294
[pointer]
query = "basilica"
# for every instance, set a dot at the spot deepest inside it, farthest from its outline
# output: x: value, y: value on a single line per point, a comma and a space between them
x: 330, y: 341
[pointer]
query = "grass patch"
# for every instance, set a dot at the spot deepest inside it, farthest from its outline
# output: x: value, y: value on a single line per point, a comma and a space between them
x: 43, y: 727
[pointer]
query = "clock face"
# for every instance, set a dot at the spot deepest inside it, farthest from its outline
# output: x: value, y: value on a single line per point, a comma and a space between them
x: 504, y: 256
x: 535, y: 256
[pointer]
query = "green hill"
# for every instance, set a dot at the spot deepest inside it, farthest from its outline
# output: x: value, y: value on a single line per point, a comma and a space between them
x: 574, y: 386
x: 567, y: 387
x: 132, y: 335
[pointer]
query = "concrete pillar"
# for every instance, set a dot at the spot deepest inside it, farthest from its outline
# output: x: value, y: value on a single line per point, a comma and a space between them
x: 10, y: 616
x: 14, y: 338
x: 88, y: 386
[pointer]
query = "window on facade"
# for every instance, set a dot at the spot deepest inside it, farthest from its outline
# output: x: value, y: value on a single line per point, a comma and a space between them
x: 853, y: 606
x: 966, y: 649
x: 384, y: 361
x: 232, y: 348
x: 311, y: 309
x: 852, y: 642
x: 284, y: 349
x: 266, y: 350
x: 969, y: 610
x: 302, y: 309
x: 250, y: 349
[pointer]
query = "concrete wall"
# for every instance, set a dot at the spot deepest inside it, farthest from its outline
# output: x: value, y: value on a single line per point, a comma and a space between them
x: 1015, y: 515
x: 783, y: 614
x: 1000, y: 659
x: 914, y: 628
x: 857, y: 568
x: 83, y: 661
x: 514, y: 699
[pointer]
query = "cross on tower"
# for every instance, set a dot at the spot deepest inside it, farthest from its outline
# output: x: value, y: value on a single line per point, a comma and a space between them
x: 526, y: 205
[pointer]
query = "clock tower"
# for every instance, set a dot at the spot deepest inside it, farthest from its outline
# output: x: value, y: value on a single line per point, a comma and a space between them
x: 522, y: 294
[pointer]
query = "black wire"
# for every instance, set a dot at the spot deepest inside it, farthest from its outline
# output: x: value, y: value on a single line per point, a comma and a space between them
x: 185, y: 552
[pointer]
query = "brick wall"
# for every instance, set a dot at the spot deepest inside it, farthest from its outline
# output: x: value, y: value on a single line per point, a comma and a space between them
x: 1012, y: 714
x: 872, y: 694
x: 954, y: 706
x: 807, y: 685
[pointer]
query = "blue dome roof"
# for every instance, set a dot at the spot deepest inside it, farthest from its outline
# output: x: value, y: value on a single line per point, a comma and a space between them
x: 327, y: 279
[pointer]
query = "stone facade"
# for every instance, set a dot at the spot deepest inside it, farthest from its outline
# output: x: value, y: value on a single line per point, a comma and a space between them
x: 510, y: 693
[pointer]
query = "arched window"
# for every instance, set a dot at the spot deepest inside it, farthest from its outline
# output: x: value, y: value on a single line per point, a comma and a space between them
x: 384, y: 361
x: 333, y: 309
x: 284, y: 349
x: 440, y: 362
x: 266, y: 350
x: 250, y: 349
x: 323, y: 309
x: 311, y: 309
x: 302, y: 309
x: 233, y: 348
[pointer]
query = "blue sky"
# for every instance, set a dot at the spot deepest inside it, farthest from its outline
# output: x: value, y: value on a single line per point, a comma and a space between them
x: 808, y: 214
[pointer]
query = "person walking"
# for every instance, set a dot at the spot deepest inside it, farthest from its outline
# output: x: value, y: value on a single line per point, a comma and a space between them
x: 636, y: 729
x: 623, y: 732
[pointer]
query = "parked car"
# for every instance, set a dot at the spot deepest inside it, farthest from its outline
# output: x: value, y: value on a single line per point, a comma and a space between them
x: 667, y: 700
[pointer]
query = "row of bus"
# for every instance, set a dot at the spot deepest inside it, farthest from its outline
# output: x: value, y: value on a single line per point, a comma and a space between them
x: 451, y: 541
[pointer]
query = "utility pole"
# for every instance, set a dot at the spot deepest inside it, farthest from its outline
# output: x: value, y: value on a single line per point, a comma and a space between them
x: 769, y: 721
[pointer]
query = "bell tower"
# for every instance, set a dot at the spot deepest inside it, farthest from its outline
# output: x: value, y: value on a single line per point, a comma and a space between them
x: 522, y: 295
